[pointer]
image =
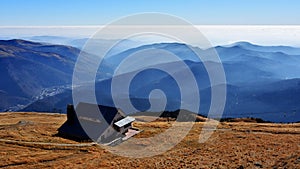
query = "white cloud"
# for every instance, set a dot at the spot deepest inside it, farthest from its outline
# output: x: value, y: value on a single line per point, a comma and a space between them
x: 262, y: 35
x: 216, y: 34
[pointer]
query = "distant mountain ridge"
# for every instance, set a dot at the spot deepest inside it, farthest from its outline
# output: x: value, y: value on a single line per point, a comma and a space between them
x: 79, y: 43
x: 284, y: 49
x: 262, y: 82
x: 28, y: 69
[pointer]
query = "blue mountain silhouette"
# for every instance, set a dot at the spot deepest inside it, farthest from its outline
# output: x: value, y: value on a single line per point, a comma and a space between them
x: 262, y: 81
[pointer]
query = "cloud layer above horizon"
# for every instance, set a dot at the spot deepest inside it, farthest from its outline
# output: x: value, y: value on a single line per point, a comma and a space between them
x: 217, y: 34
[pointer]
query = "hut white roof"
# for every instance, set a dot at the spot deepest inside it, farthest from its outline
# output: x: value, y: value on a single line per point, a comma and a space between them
x: 124, y: 121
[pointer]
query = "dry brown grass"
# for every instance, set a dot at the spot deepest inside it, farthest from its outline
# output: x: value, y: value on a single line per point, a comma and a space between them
x: 234, y: 144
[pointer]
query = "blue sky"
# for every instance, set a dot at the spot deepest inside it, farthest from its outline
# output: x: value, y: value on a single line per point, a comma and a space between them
x: 96, y: 12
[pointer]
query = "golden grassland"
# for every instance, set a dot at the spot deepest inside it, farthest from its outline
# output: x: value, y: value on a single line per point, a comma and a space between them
x: 233, y: 145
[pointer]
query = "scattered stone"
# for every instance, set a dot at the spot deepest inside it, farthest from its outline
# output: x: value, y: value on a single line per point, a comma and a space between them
x: 298, y: 160
x: 23, y: 123
x: 258, y: 164
x: 240, y: 167
x: 239, y: 136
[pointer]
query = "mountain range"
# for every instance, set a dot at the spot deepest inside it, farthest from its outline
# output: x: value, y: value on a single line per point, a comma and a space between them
x: 262, y: 81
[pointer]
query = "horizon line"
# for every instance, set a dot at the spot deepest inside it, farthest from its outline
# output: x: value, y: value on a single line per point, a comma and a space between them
x: 97, y: 26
